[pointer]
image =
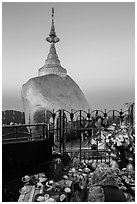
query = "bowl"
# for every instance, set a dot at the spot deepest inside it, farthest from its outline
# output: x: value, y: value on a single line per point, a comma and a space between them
x: 65, y: 177
x: 67, y: 190
x: 41, y: 174
x: 39, y: 198
x: 26, y: 178
x: 55, y: 197
x: 24, y: 190
x: 86, y: 170
x: 50, y: 200
x: 62, y: 197
x: 42, y: 179
x: 49, y: 183
x: 39, y: 186
x: 46, y: 196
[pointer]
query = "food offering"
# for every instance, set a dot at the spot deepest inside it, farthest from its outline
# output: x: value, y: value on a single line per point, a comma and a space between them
x: 86, y: 170
x: 55, y: 191
x: 62, y: 197
x: 44, y: 198
x: 26, y: 179
x: 39, y: 186
x: 74, y: 179
x: 67, y: 190
x: 34, y: 179
x: 39, y: 198
x: 42, y: 180
x: 59, y: 186
x: 24, y: 189
x: 41, y: 175
x: 50, y: 198
x: 128, y: 177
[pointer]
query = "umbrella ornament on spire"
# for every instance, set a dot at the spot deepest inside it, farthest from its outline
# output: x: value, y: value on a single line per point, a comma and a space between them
x: 52, y: 13
x: 52, y: 36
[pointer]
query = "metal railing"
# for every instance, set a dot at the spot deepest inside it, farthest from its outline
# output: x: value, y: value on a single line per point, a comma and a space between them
x: 68, y: 128
x: 11, y: 133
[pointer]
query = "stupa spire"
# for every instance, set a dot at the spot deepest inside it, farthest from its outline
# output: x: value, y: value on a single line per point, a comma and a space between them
x: 52, y: 63
x: 52, y: 36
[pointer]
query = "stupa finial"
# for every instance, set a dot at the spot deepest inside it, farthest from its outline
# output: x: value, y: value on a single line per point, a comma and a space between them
x: 53, y: 14
x: 52, y: 36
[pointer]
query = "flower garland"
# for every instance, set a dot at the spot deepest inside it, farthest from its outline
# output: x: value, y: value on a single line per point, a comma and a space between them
x: 118, y: 140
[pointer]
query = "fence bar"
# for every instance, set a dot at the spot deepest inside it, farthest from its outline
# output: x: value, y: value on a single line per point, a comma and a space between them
x: 60, y: 135
x: 43, y: 132
x: 77, y: 127
x: 63, y: 125
x: 53, y: 116
x: 113, y: 114
x: 71, y: 125
x: 97, y: 149
x: 16, y: 131
x: 80, y: 135
x: 132, y: 115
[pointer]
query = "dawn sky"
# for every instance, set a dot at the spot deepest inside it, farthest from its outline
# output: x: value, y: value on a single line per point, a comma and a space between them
x: 97, y: 47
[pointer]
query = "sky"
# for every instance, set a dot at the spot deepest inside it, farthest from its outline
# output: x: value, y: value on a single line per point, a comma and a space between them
x: 97, y: 47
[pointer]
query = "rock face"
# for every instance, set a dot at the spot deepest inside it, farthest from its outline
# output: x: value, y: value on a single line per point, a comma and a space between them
x: 45, y: 93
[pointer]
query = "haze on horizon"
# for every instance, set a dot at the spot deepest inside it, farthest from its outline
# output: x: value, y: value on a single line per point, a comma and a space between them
x: 97, y: 47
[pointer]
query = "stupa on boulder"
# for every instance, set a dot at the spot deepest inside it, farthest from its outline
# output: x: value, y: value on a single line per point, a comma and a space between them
x: 52, y: 89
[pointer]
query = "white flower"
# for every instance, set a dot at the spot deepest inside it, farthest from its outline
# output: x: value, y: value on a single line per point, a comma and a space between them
x: 114, y: 141
x: 112, y: 147
x: 117, y: 139
x: 107, y: 140
x: 121, y: 138
x: 125, y: 136
x: 119, y: 143
x: 127, y: 142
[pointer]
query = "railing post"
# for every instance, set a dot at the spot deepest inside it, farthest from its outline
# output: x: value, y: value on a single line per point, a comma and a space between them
x: 97, y: 148
x: 71, y: 118
x: 29, y: 129
x: 21, y: 118
x: 80, y: 135
x: 128, y: 118
x: 132, y: 115
x: 53, y: 116
x: 13, y: 117
x: 16, y: 132
x: 48, y: 130
x: 113, y: 115
x: 4, y: 117
x: 60, y: 135
x: 109, y: 157
x: 43, y: 132
x: 30, y: 134
x: 29, y: 118
x: 121, y: 117
x: 63, y: 126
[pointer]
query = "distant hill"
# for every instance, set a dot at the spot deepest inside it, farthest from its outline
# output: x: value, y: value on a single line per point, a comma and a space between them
x: 13, y: 116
